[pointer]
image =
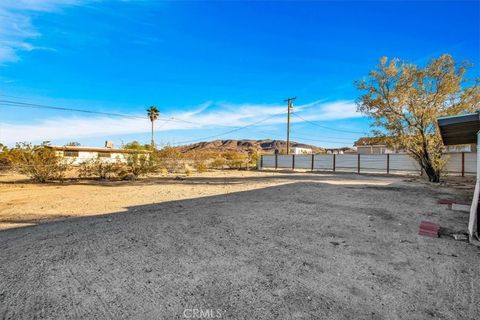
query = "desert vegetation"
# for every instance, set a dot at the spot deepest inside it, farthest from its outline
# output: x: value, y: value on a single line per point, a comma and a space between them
x: 41, y: 163
x: 99, y: 169
x: 406, y: 100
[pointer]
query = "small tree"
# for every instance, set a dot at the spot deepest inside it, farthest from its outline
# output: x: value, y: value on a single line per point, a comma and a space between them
x: 40, y: 163
x: 135, y: 145
x: 405, y: 101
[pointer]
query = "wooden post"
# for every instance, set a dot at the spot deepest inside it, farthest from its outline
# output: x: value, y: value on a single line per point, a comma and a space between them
x: 293, y: 162
x: 276, y: 161
x: 463, y: 164
x: 334, y: 162
x: 313, y: 161
x: 358, y: 163
x: 261, y: 161
x: 388, y: 163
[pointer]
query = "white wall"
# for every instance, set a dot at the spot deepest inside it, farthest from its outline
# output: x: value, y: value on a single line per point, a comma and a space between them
x: 373, y: 163
x: 298, y: 150
x: 84, y: 156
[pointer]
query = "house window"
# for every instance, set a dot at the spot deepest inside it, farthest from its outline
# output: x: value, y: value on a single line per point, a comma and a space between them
x: 104, y: 154
x: 70, y: 153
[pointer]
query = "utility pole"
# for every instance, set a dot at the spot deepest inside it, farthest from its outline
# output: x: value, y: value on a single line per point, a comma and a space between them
x: 289, y: 108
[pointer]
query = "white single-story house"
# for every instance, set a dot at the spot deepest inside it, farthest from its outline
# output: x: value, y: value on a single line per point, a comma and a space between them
x: 299, y: 150
x: 344, y: 150
x: 76, y: 155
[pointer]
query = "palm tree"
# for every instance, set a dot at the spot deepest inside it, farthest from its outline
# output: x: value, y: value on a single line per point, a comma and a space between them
x: 153, y: 114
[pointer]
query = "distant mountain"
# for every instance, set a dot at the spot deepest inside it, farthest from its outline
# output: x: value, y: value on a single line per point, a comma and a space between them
x: 244, y: 146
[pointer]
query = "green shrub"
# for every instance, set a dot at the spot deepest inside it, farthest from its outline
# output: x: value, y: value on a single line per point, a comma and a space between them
x: 97, y: 168
x: 171, y: 159
x: 163, y: 172
x: 236, y: 159
x: 253, y: 158
x: 40, y: 163
x: 5, y: 159
x: 218, y: 163
x: 201, y: 166
x: 187, y: 170
x: 141, y: 164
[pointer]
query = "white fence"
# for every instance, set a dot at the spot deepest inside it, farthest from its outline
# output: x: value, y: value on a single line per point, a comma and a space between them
x: 463, y: 163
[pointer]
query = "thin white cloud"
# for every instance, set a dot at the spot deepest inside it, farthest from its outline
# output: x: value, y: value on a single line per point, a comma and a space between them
x: 38, y: 5
x: 16, y: 28
x: 337, y: 110
x: 207, y: 116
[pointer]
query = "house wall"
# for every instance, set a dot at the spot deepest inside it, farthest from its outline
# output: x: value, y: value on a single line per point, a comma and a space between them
x: 84, y: 156
x: 297, y: 150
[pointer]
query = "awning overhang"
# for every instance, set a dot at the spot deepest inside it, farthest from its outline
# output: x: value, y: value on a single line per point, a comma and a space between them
x: 461, y: 129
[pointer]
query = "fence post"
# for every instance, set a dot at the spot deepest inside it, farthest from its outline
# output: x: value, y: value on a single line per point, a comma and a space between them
x: 334, y: 162
x: 463, y: 164
x: 261, y: 161
x: 293, y: 162
x: 358, y: 163
x: 276, y: 161
x: 313, y: 161
x: 388, y: 163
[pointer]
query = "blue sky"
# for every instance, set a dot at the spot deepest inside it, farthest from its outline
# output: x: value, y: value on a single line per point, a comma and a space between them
x: 220, y: 65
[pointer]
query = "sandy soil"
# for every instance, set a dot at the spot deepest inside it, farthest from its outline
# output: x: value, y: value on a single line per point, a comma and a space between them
x: 23, y: 203
x: 240, y: 245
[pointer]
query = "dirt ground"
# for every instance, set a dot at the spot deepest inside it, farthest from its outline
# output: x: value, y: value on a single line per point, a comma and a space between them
x: 235, y: 245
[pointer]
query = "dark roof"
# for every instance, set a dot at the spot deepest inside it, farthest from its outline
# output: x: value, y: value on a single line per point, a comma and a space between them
x: 461, y: 129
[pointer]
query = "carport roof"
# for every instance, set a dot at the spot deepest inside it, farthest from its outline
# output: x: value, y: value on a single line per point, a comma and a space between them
x: 461, y: 129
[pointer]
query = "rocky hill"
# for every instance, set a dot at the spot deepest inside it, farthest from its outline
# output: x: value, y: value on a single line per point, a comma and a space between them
x: 244, y: 146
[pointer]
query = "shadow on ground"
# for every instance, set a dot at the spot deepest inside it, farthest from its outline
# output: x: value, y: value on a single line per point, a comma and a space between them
x: 263, y: 176
x: 301, y: 250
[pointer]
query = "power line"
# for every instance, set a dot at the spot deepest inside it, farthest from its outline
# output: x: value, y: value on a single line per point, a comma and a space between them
x: 10, y: 103
x: 325, y: 127
x: 231, y: 131
x: 321, y: 140
x: 339, y: 140
x: 41, y: 106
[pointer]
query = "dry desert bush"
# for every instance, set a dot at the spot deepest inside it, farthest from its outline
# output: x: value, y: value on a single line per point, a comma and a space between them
x: 97, y: 168
x: 40, y: 163
x: 135, y: 165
